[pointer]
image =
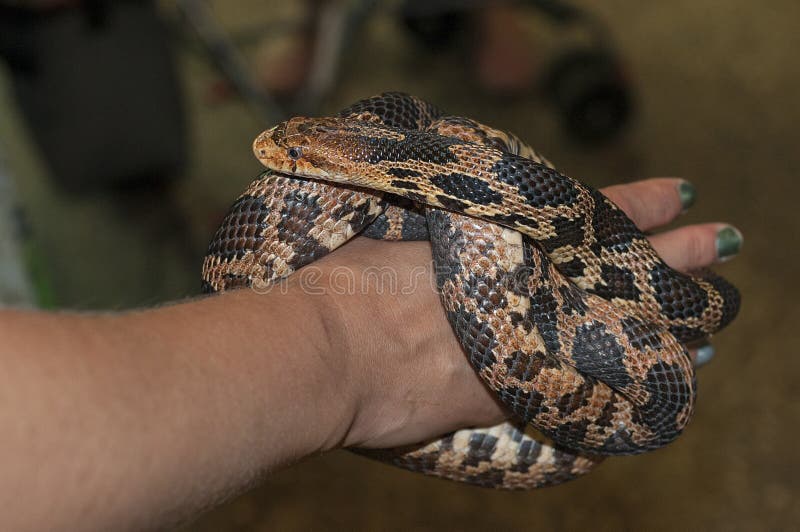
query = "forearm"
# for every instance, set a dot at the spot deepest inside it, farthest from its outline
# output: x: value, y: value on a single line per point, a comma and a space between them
x: 143, y: 417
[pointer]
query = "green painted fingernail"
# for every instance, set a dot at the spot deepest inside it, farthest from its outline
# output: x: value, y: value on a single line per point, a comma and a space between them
x: 687, y: 193
x: 729, y: 242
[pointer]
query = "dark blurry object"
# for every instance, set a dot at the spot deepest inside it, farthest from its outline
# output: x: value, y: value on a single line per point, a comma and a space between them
x: 226, y: 57
x: 97, y: 84
x: 435, y: 30
x: 590, y: 93
x: 586, y: 82
x: 332, y: 26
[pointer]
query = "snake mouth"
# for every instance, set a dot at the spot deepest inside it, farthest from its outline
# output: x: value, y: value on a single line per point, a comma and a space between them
x: 264, y: 144
x: 274, y: 150
x: 271, y: 153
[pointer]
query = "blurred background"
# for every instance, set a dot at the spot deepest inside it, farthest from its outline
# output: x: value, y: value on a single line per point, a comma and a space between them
x: 125, y: 132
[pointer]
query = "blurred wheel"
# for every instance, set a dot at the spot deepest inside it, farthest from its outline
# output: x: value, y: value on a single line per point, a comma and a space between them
x: 435, y: 31
x: 591, y: 95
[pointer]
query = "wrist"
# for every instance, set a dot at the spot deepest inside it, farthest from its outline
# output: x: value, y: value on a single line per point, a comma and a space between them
x: 302, y: 365
x: 383, y: 317
x: 404, y: 368
x: 347, y: 345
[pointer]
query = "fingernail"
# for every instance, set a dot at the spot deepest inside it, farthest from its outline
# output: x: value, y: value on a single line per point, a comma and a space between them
x: 687, y: 194
x: 729, y: 242
x: 704, y: 355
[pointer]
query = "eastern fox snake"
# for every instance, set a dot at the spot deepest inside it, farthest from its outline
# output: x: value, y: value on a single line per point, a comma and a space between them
x: 559, y: 301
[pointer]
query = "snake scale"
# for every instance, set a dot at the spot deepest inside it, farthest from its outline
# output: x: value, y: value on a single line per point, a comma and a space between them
x: 560, y: 303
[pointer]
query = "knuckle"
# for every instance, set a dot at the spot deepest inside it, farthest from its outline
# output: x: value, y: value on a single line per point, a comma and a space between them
x: 698, y: 249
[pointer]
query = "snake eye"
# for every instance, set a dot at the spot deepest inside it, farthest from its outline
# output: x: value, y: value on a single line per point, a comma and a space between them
x: 295, y: 152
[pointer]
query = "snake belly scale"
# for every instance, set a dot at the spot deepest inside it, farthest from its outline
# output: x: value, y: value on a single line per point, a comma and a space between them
x: 559, y: 301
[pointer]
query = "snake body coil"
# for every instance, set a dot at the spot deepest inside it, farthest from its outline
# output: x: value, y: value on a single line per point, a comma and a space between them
x: 559, y: 301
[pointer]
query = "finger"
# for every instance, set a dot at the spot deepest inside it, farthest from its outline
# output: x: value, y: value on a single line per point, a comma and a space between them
x: 697, y: 246
x: 702, y: 355
x: 654, y: 202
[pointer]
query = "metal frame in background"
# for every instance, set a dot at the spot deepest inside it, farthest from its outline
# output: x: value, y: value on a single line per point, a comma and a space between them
x: 338, y: 22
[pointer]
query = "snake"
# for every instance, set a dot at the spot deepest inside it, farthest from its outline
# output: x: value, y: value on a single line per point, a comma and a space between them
x: 560, y: 303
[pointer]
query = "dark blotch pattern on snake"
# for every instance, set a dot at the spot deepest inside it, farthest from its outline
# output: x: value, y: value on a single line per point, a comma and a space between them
x: 559, y: 301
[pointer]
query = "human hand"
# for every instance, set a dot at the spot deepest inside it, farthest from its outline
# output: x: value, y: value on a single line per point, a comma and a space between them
x: 409, y: 374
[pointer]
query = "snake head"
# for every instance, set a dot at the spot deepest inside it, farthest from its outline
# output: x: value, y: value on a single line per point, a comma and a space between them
x: 303, y: 147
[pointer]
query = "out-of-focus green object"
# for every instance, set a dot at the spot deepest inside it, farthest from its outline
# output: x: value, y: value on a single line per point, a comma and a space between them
x: 23, y: 278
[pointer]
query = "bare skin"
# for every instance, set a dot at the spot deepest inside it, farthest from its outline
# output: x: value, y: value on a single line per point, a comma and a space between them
x: 141, y: 419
